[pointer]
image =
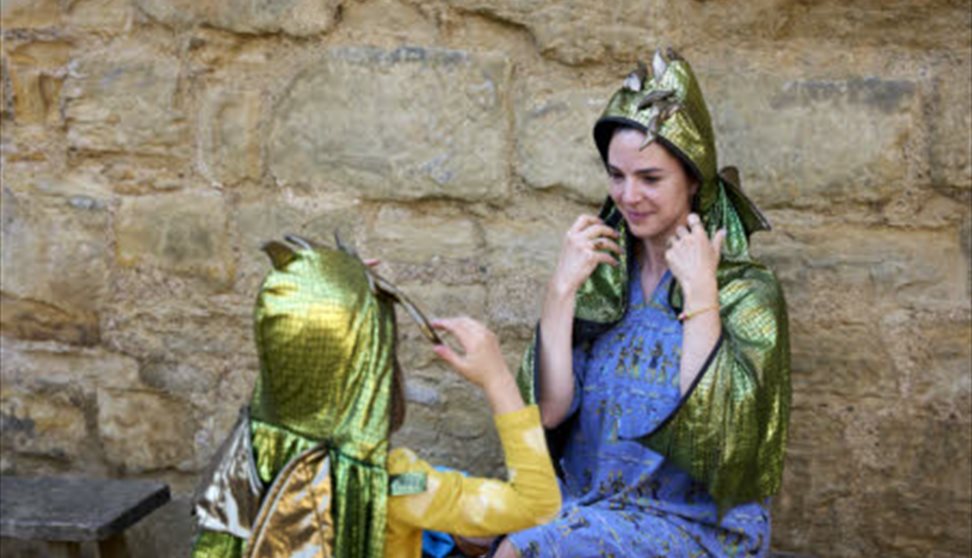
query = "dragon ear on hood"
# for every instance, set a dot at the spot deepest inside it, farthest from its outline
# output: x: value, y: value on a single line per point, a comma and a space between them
x: 280, y: 254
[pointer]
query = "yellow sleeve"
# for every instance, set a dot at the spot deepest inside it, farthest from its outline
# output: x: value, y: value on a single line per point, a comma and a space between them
x: 470, y: 506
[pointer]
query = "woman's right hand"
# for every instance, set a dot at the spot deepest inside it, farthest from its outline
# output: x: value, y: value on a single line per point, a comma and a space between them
x: 587, y: 243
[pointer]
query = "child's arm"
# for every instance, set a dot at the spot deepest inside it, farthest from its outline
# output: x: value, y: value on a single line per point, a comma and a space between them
x: 477, y: 506
x: 470, y: 506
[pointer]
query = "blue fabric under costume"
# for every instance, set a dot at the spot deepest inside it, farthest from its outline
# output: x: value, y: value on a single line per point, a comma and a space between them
x: 620, y: 498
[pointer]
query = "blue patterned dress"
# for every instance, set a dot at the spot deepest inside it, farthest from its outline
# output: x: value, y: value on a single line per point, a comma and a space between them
x: 620, y: 498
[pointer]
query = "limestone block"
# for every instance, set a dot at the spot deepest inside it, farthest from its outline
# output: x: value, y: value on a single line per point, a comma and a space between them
x: 421, y: 392
x: 928, y: 482
x: 124, y: 99
x: 814, y: 142
x: 434, y: 300
x: 100, y: 15
x: 181, y: 232
x: 402, y: 124
x: 421, y: 430
x: 179, y: 377
x: 578, y: 32
x: 468, y: 415
x: 55, y: 258
x: 521, y: 256
x: 37, y: 366
x: 144, y: 431
x: 951, y: 123
x: 48, y: 425
x: 872, y: 22
x: 30, y: 14
x: 36, y: 72
x: 401, y: 234
x: 845, y: 360
x: 316, y: 218
x: 846, y: 274
x: 160, y: 316
x: 555, y: 146
x: 293, y: 17
x: 930, y: 351
x: 229, y: 136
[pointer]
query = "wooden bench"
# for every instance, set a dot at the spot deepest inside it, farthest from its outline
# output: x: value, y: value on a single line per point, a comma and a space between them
x: 66, y: 511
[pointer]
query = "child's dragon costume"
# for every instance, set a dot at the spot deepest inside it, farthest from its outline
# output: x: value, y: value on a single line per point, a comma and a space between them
x: 304, y: 471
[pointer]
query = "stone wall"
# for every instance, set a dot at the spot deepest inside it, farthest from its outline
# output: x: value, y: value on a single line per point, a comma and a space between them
x: 150, y: 146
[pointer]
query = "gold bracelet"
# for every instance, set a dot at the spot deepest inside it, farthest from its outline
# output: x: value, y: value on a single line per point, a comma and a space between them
x: 687, y: 315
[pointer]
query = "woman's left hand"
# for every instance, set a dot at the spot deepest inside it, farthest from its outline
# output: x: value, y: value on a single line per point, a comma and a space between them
x: 693, y: 259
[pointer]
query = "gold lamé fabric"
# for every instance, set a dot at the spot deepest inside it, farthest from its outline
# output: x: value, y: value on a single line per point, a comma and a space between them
x: 229, y: 495
x: 319, y: 414
x: 297, y: 520
x: 730, y: 429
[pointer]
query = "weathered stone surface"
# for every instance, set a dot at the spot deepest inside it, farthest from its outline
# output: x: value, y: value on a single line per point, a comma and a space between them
x: 841, y: 360
x: 401, y: 124
x: 850, y: 275
x: 43, y: 425
x: 421, y: 392
x: 577, y: 32
x: 455, y: 430
x: 815, y: 142
x: 153, y: 326
x: 124, y: 99
x: 180, y: 232
x: 178, y: 377
x: 838, y: 448
x: 316, y: 218
x: 145, y: 430
x: 55, y: 258
x: 30, y: 14
x: 554, y: 145
x: 401, y: 234
x: 100, y: 15
x: 435, y: 301
x: 58, y: 368
x: 951, y: 123
x: 873, y: 23
x: 521, y: 256
x: 36, y: 74
x: 930, y: 352
x: 230, y: 148
x: 293, y: 17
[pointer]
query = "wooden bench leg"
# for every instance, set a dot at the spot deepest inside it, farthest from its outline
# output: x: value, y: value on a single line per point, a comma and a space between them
x: 113, y: 547
x: 64, y: 549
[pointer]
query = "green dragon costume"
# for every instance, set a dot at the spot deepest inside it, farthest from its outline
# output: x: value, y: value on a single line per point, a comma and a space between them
x: 729, y: 431
x: 303, y: 472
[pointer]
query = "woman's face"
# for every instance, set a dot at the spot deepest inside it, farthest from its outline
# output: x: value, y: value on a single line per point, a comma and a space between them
x: 648, y: 185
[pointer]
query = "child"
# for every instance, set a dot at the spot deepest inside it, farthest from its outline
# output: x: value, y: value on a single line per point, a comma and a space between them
x: 307, y: 469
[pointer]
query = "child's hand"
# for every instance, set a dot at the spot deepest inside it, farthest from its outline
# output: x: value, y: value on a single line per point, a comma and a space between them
x: 483, y: 363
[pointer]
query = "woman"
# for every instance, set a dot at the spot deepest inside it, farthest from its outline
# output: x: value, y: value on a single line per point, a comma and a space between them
x: 661, y: 362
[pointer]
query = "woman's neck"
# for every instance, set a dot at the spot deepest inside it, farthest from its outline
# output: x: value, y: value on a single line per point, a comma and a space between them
x: 651, y: 257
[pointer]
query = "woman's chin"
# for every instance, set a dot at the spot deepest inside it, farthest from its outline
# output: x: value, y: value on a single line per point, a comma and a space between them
x: 646, y: 232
